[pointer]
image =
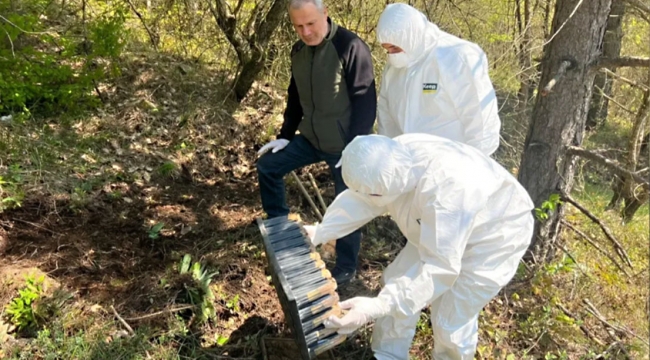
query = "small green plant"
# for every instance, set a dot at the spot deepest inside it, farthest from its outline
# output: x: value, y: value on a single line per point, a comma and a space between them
x: 221, y: 340
x: 566, y: 264
x: 167, y: 169
x: 154, y: 231
x: 548, y: 207
x: 233, y: 304
x: 199, y: 292
x: 11, y: 194
x: 21, y: 310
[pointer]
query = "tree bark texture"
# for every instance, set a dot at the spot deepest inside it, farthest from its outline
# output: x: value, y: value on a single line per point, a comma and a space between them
x: 626, y: 188
x: 559, y: 116
x: 603, y: 83
x: 259, y: 43
x: 522, y: 17
x: 250, y: 46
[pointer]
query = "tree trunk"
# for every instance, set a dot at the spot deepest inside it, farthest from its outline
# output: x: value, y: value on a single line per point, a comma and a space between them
x: 625, y: 188
x: 634, y: 195
x: 522, y: 16
x: 603, y: 84
x: 250, y: 49
x: 259, y: 43
x: 559, y: 116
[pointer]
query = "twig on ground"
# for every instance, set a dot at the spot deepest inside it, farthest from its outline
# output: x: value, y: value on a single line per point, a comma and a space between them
x: 609, y: 348
x: 36, y: 226
x: 594, y: 311
x: 304, y: 192
x: 166, y: 311
x: 535, y: 343
x: 126, y: 325
x: 317, y: 190
x: 619, y: 248
x: 582, y: 327
x: 593, y: 243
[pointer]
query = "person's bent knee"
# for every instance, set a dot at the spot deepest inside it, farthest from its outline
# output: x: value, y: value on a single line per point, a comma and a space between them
x: 265, y: 165
x: 455, y: 336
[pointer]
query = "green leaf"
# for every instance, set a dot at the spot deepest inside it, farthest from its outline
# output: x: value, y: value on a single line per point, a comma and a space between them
x: 156, y: 228
x: 221, y: 340
x: 185, y: 264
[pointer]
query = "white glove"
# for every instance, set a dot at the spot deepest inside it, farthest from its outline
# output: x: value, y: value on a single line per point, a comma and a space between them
x: 274, y: 146
x: 311, y: 233
x: 338, y: 164
x: 362, y: 311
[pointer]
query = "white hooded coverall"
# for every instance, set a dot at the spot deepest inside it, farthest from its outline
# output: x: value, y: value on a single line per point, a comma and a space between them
x: 443, y: 87
x: 468, y: 223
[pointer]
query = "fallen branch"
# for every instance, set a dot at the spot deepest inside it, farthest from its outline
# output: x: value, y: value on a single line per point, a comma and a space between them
x: 166, y: 311
x: 608, y: 350
x: 304, y: 192
x: 582, y: 326
x: 619, y: 248
x: 594, y: 311
x: 317, y: 190
x: 36, y: 226
x: 621, y: 62
x: 577, y: 151
x: 594, y: 244
x: 126, y: 325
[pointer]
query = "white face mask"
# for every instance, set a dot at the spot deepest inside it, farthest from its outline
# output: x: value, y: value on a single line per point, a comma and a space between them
x: 399, y: 60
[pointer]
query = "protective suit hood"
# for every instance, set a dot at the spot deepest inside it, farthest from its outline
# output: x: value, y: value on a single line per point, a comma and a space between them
x: 378, y: 166
x: 408, y: 28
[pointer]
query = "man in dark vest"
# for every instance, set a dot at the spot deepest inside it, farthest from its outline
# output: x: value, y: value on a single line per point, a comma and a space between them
x: 331, y: 99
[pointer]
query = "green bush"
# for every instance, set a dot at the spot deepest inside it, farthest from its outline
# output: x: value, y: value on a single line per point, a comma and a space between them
x: 48, y: 70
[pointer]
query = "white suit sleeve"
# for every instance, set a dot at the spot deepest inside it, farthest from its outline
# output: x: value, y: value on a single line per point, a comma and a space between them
x: 386, y: 125
x: 445, y: 225
x: 474, y: 99
x: 348, y: 212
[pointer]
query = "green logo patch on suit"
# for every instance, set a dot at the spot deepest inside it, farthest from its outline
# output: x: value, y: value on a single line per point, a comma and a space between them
x: 430, y: 88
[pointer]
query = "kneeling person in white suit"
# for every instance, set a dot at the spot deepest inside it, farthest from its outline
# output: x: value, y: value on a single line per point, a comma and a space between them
x: 468, y: 223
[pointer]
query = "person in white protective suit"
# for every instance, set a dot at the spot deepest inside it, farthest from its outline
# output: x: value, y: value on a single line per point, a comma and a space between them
x: 434, y: 83
x: 468, y: 223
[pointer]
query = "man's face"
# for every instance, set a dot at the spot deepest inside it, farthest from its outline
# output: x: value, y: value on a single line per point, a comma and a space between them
x: 310, y: 23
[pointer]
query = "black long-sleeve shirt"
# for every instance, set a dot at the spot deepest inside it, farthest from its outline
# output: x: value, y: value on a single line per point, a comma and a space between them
x: 332, y: 94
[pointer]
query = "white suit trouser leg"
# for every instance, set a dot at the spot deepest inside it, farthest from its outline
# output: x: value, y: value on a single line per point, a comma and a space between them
x: 487, y: 267
x: 392, y: 337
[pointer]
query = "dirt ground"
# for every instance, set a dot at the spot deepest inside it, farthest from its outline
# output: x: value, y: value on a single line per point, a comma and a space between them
x: 103, y: 255
x: 96, y: 242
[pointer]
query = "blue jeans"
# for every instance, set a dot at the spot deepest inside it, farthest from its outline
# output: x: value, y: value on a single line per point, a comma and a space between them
x: 271, y: 169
